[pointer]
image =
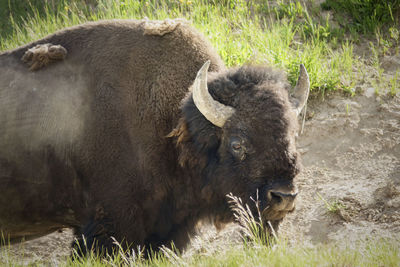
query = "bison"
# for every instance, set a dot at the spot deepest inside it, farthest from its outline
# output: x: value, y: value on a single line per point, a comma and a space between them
x: 135, y: 129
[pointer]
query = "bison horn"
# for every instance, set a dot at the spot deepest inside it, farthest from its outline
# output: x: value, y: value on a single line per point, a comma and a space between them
x: 301, y: 91
x: 214, y: 111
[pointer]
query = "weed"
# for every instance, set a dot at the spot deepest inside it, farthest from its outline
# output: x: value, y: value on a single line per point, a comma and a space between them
x: 252, y: 227
x: 333, y: 206
x: 290, y: 10
x: 395, y: 84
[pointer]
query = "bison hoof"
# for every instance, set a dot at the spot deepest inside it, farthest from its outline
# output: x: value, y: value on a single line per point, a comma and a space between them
x: 42, y: 55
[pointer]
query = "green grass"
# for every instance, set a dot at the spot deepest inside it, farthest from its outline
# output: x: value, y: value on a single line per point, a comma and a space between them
x: 380, y: 253
x: 365, y: 16
x: 280, y: 33
x: 241, y: 31
x: 374, y: 253
x: 256, y: 250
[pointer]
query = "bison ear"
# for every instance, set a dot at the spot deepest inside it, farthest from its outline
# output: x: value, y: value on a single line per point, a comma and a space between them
x: 301, y: 90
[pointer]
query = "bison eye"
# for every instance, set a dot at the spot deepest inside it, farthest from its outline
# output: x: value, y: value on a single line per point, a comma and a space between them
x: 238, y: 149
x: 236, y: 146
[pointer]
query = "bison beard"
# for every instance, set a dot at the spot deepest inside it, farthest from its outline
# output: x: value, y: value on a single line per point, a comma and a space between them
x: 144, y: 148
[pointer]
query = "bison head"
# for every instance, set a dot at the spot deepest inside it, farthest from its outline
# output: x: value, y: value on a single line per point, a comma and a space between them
x: 238, y: 133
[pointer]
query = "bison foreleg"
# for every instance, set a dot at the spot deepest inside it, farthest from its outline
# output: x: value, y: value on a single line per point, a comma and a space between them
x: 96, y: 235
x: 42, y: 55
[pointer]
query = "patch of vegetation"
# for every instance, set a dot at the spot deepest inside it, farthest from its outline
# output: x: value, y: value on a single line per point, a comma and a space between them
x: 14, y: 13
x: 283, y: 33
x: 252, y: 227
x: 255, y: 251
x: 365, y: 16
x: 241, y: 31
x: 332, y: 206
x: 381, y: 253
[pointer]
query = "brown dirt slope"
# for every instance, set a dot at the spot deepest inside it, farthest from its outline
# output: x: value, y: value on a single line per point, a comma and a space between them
x: 350, y: 186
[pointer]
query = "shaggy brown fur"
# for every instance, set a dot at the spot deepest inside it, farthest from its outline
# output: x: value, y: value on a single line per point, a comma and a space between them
x: 84, y: 143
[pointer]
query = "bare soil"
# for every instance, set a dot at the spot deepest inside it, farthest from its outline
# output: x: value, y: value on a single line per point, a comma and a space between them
x: 350, y: 186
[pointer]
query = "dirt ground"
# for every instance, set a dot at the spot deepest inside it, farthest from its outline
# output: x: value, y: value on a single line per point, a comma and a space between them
x: 349, y: 187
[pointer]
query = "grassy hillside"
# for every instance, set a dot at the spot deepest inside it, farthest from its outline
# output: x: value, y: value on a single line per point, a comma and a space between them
x: 281, y: 33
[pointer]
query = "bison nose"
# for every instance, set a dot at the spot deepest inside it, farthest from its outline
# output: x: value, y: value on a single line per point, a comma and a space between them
x: 281, y: 201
